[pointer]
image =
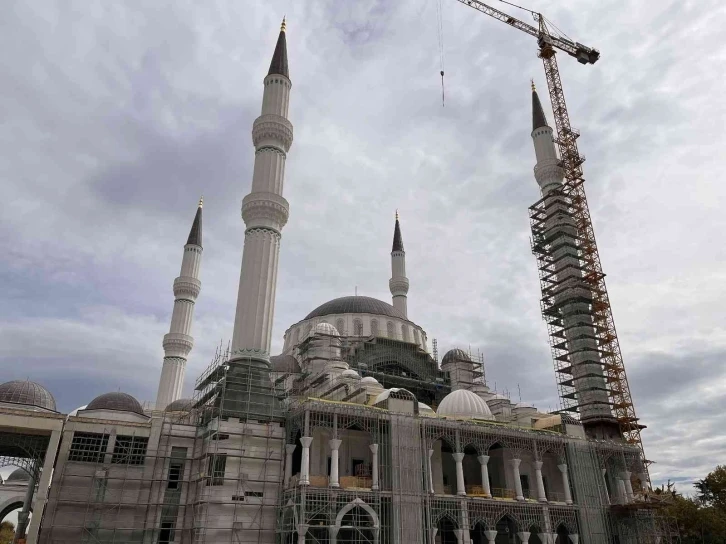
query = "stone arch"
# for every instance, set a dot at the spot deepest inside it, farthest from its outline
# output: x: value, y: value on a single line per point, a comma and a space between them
x: 563, y: 534
x: 10, y: 504
x: 446, y: 527
x: 356, y: 503
x: 390, y: 330
x: 404, y: 333
x: 340, y: 325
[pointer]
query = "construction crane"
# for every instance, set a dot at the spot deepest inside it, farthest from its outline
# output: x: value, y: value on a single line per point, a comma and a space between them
x: 573, y: 194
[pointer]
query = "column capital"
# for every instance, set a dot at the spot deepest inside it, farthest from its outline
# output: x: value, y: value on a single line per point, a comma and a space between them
x: 290, y: 448
x: 373, y: 448
x: 431, y: 452
x: 483, y: 459
x: 458, y: 457
x: 334, y: 443
x: 306, y: 441
x: 515, y: 462
x: 562, y: 467
x: 538, y: 465
x: 523, y: 536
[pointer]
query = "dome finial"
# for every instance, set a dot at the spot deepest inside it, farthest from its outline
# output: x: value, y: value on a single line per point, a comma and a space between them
x: 396, y: 214
x: 534, y: 89
x: 201, y: 201
x: 283, y: 26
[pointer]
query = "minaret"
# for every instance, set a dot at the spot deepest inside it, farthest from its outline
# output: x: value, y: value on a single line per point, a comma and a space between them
x: 264, y: 212
x: 398, y: 284
x: 178, y: 343
x: 568, y: 290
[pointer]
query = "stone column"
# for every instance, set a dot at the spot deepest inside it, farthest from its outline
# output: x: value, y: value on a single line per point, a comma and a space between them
x: 289, y: 450
x: 460, y: 486
x: 41, y: 497
x: 24, y: 514
x: 565, y: 482
x: 432, y: 535
x: 622, y: 495
x: 519, y: 495
x: 541, y: 495
x: 523, y: 536
x: 575, y: 538
x: 605, y: 483
x: 484, y: 462
x: 491, y: 535
x: 302, y: 529
x: 334, y: 445
x: 305, y: 465
x: 374, y: 466
x: 628, y: 486
x: 643, y: 481
x: 548, y: 538
x: 431, y: 471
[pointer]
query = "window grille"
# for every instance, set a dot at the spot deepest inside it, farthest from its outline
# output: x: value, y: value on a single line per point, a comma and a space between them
x: 88, y: 447
x: 129, y: 450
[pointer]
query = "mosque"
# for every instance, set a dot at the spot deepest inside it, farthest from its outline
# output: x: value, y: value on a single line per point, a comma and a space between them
x: 355, y: 433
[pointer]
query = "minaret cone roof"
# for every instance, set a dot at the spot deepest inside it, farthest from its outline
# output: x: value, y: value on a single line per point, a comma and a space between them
x: 397, y: 238
x: 279, y: 58
x: 195, y: 235
x: 538, y: 116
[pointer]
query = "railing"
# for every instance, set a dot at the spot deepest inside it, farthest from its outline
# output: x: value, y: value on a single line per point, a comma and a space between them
x: 502, y: 493
x: 355, y: 482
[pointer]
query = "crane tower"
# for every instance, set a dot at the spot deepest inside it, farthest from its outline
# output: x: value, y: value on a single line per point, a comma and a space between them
x: 575, y: 305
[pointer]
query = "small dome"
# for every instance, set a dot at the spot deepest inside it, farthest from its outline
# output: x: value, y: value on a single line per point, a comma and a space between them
x: 464, y: 403
x: 370, y: 380
x: 121, y: 402
x: 27, y: 393
x: 350, y: 373
x: 180, y: 405
x: 325, y: 328
x: 18, y: 475
x: 425, y: 408
x: 454, y: 355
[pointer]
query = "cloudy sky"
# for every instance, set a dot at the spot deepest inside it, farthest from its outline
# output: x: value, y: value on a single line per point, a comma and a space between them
x: 116, y: 116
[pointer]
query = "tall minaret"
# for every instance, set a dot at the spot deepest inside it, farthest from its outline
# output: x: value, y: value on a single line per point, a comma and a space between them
x: 571, y: 294
x: 264, y: 212
x: 178, y: 343
x: 398, y: 284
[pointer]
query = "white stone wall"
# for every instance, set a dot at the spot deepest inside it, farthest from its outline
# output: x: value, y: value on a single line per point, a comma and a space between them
x: 359, y: 325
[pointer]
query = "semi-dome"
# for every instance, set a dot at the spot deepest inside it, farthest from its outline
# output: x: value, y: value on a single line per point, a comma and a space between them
x: 325, y: 328
x: 370, y: 380
x: 18, y: 475
x: 180, y: 405
x: 350, y: 373
x: 464, y: 403
x: 27, y: 393
x: 355, y: 305
x: 454, y: 355
x: 121, y: 402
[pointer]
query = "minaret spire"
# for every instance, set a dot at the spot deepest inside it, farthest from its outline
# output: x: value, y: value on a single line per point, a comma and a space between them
x: 265, y: 213
x: 179, y: 342
x: 538, y: 116
x: 398, y: 284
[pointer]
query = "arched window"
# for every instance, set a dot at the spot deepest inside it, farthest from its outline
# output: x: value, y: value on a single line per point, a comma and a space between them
x: 308, y: 329
x: 391, y: 333
x: 357, y: 327
x: 340, y: 325
x: 297, y: 335
x: 404, y: 332
x: 415, y: 337
x: 374, y: 327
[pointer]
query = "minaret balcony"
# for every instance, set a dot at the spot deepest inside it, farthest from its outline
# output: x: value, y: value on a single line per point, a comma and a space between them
x: 398, y: 286
x: 273, y: 130
x: 186, y: 287
x: 177, y: 345
x: 265, y: 210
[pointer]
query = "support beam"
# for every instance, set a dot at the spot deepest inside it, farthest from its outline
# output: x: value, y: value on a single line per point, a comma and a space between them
x: 305, y: 465
x: 334, y: 462
x: 519, y: 494
x: 460, y: 485
x: 565, y: 482
x: 374, y: 466
x: 484, y: 462
x: 541, y: 495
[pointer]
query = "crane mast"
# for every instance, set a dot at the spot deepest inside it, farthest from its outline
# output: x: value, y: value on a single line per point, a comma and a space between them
x: 572, y: 200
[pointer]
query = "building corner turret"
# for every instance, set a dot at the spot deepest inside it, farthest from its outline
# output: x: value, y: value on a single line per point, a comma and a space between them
x: 178, y: 342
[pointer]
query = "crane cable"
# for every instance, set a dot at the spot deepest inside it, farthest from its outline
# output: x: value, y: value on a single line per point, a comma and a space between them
x: 440, y: 21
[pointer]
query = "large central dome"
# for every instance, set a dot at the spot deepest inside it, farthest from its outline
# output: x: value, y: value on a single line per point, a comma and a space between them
x: 355, y: 305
